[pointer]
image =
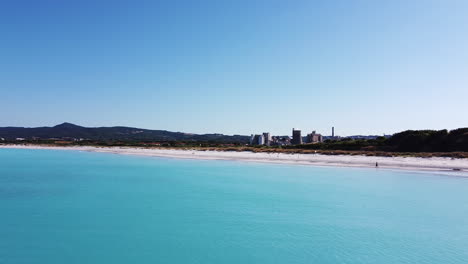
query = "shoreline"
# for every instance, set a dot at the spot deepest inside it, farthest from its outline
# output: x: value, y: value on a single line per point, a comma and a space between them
x: 434, y: 164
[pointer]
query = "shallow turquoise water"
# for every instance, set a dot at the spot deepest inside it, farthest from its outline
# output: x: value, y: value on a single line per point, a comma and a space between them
x: 75, y: 207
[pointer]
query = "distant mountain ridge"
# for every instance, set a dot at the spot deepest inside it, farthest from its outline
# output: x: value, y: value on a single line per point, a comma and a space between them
x: 121, y: 133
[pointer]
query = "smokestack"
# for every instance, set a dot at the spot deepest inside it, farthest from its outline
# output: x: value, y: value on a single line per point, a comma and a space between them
x: 333, y: 131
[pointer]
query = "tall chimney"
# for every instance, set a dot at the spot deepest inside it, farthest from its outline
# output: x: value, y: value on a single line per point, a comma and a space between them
x: 333, y: 131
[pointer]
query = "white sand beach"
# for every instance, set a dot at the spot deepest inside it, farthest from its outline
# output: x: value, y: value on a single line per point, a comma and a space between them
x: 408, y: 163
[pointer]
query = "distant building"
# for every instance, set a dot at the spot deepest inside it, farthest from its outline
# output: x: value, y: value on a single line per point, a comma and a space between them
x: 261, y: 140
x: 267, y: 138
x: 332, y: 137
x: 297, y: 138
x: 20, y: 139
x: 257, y: 140
x: 314, y: 137
x: 281, y: 141
x: 252, y: 139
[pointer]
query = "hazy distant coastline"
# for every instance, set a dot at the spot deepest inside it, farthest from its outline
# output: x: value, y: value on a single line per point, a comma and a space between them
x: 407, y: 163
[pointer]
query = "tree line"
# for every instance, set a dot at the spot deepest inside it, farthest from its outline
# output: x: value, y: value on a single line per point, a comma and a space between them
x: 406, y: 141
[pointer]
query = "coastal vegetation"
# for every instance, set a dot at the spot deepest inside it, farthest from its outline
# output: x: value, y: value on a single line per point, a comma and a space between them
x: 421, y: 143
x: 406, y: 141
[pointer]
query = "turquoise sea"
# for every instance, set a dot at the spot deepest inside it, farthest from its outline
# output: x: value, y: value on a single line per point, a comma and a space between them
x: 79, y: 207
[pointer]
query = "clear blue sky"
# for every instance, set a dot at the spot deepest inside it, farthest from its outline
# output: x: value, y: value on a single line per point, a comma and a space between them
x: 235, y: 67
